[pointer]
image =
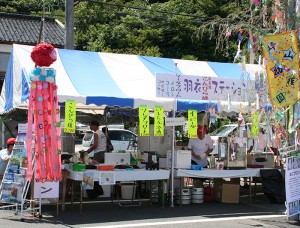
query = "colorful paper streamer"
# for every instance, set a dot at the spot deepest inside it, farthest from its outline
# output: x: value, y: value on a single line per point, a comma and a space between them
x: 43, y: 115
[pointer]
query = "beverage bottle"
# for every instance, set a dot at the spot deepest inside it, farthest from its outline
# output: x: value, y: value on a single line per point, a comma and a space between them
x: 212, y: 162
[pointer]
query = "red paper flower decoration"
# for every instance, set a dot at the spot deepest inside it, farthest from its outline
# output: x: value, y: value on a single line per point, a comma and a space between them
x: 43, y: 54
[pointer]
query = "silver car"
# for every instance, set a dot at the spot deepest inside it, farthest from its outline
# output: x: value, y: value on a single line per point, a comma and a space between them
x: 121, y: 139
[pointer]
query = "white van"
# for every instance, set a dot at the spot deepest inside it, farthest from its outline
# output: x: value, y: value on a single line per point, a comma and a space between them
x: 121, y: 139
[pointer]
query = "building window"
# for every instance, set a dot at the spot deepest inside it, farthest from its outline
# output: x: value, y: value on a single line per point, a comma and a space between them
x: 4, y: 58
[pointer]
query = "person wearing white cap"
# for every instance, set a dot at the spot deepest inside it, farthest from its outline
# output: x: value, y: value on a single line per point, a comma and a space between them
x: 5, y: 155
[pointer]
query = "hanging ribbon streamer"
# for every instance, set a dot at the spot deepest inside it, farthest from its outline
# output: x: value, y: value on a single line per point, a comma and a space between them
x: 43, y: 115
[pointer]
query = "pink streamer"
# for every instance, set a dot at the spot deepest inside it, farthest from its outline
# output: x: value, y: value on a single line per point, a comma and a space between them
x: 43, y: 112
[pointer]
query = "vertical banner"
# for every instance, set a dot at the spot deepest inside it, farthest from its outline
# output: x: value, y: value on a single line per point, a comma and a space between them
x: 159, y: 127
x: 144, y: 121
x: 254, y: 126
x: 192, y: 123
x: 70, y: 117
x: 282, y: 66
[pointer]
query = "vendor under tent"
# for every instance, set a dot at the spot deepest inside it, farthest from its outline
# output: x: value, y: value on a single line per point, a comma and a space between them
x: 112, y: 79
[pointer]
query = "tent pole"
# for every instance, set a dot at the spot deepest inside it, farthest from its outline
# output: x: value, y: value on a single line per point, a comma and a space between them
x: 173, y: 156
x: 3, y: 134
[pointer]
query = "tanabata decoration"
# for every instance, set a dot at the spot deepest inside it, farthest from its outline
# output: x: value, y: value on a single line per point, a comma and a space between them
x: 43, y: 114
x: 282, y: 67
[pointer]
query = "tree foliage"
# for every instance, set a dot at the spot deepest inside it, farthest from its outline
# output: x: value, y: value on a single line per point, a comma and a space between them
x: 190, y: 29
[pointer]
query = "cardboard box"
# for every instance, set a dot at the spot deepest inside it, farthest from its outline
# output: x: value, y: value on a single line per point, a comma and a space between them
x: 230, y: 193
x: 235, y: 180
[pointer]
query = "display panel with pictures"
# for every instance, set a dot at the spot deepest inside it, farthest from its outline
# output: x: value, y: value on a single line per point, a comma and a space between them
x: 236, y: 154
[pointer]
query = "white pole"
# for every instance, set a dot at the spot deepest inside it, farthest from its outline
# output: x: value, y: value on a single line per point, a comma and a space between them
x: 173, y: 157
x: 3, y: 134
x: 173, y: 152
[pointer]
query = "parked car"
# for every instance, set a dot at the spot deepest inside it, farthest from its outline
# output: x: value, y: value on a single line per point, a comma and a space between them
x: 81, y: 129
x: 121, y: 139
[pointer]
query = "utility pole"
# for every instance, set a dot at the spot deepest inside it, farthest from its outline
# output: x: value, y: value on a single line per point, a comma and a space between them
x: 69, y: 34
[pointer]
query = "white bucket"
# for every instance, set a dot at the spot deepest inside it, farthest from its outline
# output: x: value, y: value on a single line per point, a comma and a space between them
x: 128, y: 191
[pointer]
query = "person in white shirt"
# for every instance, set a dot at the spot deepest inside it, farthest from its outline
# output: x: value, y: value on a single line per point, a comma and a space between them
x: 5, y: 155
x: 99, y: 145
x: 201, y: 146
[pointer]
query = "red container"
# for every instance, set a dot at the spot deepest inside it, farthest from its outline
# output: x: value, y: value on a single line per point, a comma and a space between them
x: 105, y: 167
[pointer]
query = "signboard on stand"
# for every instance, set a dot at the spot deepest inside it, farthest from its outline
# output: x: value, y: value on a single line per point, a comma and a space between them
x: 292, y: 186
x: 46, y: 190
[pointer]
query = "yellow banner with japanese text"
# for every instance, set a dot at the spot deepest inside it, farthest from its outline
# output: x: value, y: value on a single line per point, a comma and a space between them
x: 255, y: 124
x: 282, y: 66
x: 144, y: 121
x: 159, y: 127
x: 70, y: 117
x: 192, y: 123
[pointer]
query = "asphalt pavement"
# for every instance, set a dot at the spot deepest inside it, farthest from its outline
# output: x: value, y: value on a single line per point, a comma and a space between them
x: 106, y: 214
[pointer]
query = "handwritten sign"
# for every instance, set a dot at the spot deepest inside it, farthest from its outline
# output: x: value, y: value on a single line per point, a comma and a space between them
x: 144, y: 121
x: 192, y: 123
x: 70, y: 117
x: 107, y: 178
x: 159, y: 128
x: 177, y: 121
x: 254, y: 126
x: 202, y: 88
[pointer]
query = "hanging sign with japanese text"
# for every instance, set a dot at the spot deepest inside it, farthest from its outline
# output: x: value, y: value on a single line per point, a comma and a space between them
x: 144, y: 121
x: 192, y: 123
x: 255, y: 124
x: 202, y: 88
x: 282, y: 66
x: 159, y: 127
x: 70, y: 117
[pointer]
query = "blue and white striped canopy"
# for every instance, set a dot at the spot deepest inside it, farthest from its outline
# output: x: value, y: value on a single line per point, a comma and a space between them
x: 111, y: 79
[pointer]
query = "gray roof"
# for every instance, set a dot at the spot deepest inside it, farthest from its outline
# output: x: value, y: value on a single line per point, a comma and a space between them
x: 24, y: 29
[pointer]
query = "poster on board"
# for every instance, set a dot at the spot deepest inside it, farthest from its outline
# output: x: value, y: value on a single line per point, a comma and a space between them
x: 292, y: 185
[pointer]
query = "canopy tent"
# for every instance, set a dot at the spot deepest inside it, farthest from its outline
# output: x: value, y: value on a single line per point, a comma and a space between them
x: 111, y: 79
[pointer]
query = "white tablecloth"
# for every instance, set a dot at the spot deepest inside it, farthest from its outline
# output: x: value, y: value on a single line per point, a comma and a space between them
x: 125, y: 175
x: 214, y: 173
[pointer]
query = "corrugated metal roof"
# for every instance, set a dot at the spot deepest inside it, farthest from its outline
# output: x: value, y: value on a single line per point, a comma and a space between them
x: 24, y: 29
